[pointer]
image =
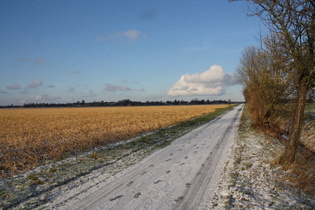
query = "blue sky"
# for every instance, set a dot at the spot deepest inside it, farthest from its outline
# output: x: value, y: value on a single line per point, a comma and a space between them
x: 72, y: 50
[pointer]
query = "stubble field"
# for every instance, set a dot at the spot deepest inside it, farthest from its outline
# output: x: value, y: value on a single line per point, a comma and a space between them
x: 33, y: 137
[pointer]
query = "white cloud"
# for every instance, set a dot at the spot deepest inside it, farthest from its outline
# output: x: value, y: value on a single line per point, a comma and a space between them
x: 131, y: 35
x: 35, y: 84
x: 22, y: 101
x: 47, y: 98
x: 210, y: 82
x: 38, y: 98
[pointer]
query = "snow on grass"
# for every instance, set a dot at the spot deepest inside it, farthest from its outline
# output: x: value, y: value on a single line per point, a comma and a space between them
x: 250, y: 182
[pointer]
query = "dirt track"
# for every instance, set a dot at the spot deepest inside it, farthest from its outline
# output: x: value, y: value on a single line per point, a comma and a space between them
x: 180, y: 176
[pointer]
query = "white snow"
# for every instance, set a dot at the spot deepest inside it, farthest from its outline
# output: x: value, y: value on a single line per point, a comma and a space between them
x: 249, y: 181
x: 243, y: 177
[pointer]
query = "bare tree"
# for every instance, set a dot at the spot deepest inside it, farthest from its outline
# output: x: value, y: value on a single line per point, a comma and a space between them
x: 293, y: 22
x: 265, y: 85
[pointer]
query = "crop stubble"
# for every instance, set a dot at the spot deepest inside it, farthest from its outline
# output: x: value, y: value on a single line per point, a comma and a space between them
x: 32, y: 137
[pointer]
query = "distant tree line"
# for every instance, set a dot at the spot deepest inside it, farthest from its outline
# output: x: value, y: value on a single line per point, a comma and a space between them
x: 125, y: 102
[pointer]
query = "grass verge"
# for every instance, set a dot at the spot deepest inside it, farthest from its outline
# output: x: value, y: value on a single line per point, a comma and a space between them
x: 249, y: 181
x: 301, y: 173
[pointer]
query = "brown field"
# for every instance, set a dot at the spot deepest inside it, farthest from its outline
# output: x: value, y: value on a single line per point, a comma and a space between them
x: 31, y: 137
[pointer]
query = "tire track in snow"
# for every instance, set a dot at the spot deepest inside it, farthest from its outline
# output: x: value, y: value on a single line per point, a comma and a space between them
x: 176, y: 176
x: 192, y: 196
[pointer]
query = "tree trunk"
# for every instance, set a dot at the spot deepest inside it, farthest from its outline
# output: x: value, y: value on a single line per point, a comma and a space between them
x: 291, y: 149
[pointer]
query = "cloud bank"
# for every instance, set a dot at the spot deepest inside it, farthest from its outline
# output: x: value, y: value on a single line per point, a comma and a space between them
x: 210, y: 82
